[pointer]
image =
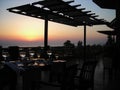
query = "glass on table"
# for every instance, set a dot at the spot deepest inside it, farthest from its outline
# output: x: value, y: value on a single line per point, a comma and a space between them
x: 22, y: 55
x: 38, y: 55
x: 56, y: 56
x: 5, y: 55
x: 31, y: 53
x: 49, y: 53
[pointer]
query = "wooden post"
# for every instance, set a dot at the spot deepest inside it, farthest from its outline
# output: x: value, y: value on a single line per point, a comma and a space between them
x: 46, y: 33
x: 84, y: 42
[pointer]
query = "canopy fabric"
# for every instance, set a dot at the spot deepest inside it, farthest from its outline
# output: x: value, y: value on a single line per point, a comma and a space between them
x: 59, y: 11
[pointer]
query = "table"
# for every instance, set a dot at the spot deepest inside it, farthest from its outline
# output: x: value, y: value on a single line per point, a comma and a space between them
x: 34, y: 70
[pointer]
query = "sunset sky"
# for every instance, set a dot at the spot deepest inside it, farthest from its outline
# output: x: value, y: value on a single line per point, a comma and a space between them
x: 22, y: 30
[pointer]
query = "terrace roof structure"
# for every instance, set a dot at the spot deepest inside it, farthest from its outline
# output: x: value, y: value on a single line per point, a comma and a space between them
x: 108, y: 32
x: 113, y: 25
x: 110, y: 4
x: 107, y: 4
x: 61, y: 12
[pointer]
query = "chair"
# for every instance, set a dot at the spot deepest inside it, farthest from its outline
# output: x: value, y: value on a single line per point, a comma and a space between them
x: 57, y: 71
x: 86, y: 76
x: 107, y: 63
x: 30, y: 75
x: 67, y: 82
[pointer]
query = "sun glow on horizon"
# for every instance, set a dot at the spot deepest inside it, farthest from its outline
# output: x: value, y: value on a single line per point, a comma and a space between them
x: 30, y: 35
x: 30, y: 30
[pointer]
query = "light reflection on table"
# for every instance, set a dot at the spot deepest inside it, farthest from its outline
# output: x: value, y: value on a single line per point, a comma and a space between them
x: 59, y: 61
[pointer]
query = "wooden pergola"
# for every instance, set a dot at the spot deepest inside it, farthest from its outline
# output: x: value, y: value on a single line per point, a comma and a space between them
x: 59, y: 11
